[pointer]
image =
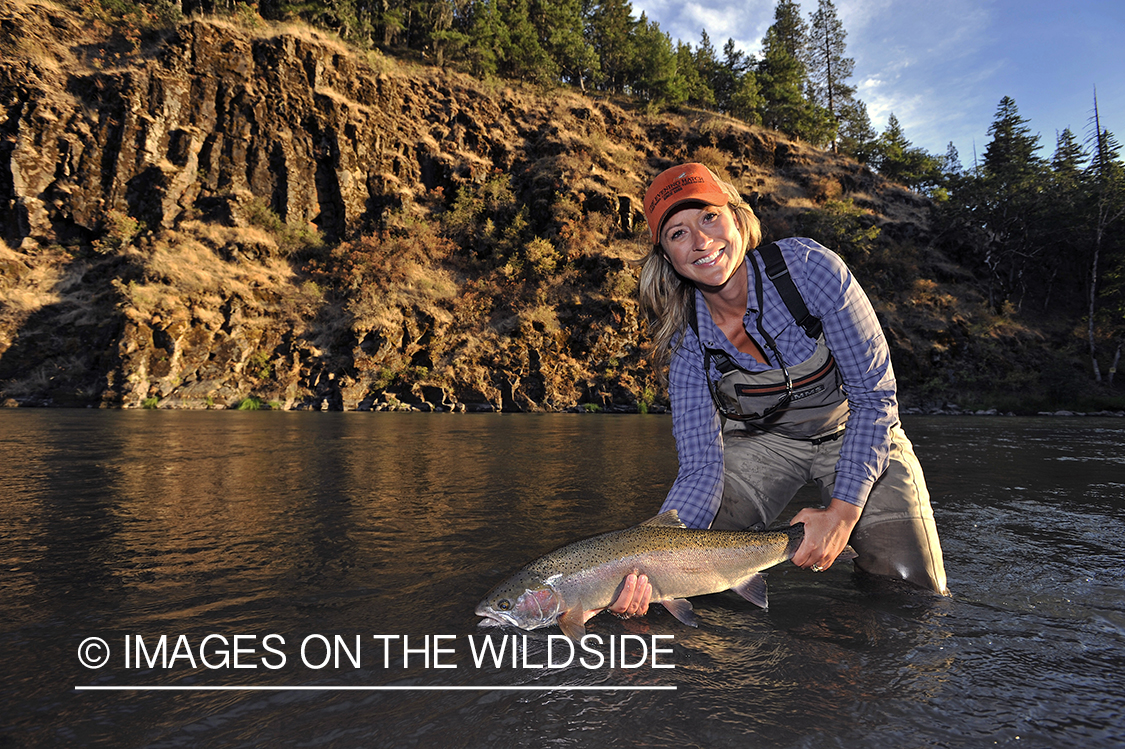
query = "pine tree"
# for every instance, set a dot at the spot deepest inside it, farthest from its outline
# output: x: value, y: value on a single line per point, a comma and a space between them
x: 856, y: 137
x: 781, y: 79
x: 612, y: 31
x: 898, y: 160
x: 526, y: 59
x: 892, y: 146
x: 654, y: 77
x: 747, y: 103
x: 562, y: 34
x: 1013, y: 211
x: 1064, y: 220
x: 706, y: 65
x: 791, y: 33
x: 489, y: 39
x: 698, y: 91
x: 829, y: 68
x: 951, y: 162
x: 1106, y: 184
x: 725, y: 80
x: 1010, y: 158
x: 1068, y: 161
x: 450, y: 36
x: 388, y: 20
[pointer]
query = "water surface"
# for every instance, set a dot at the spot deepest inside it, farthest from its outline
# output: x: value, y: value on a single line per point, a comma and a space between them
x: 299, y: 525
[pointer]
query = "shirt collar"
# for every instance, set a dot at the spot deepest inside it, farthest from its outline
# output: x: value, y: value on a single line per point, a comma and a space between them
x: 709, y: 333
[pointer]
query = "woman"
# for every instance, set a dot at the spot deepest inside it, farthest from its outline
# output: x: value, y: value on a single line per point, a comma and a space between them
x: 760, y: 401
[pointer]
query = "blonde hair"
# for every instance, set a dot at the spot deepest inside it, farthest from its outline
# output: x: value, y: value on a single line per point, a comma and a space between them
x: 666, y: 298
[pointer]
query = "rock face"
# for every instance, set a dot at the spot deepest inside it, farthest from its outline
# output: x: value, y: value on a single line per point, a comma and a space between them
x: 290, y: 119
x: 215, y: 217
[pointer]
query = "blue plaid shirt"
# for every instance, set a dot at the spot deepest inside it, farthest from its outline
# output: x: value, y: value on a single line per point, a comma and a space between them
x: 856, y: 340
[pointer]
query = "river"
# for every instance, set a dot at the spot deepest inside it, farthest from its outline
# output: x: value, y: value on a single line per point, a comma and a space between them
x: 215, y: 579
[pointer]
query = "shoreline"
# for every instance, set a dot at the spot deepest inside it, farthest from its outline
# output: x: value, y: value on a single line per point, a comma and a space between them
x: 949, y: 409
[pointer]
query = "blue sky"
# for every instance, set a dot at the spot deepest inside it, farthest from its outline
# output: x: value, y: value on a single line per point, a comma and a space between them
x: 942, y: 66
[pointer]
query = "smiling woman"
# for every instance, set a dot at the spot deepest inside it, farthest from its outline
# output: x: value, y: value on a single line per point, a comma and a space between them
x: 771, y: 352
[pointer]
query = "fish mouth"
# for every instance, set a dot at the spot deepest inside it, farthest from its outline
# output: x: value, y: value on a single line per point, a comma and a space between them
x: 494, y: 619
x: 489, y: 620
x: 710, y: 259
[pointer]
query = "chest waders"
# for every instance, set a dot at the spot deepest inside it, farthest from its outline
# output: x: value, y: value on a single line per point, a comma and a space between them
x: 805, y: 401
x: 785, y: 416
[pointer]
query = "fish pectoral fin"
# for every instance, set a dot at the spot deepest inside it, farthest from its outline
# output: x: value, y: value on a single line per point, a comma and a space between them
x: 682, y: 610
x: 753, y: 589
x: 847, y: 553
x: 573, y: 623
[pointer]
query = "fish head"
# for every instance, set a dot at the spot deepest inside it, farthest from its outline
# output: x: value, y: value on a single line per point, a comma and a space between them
x: 524, y: 601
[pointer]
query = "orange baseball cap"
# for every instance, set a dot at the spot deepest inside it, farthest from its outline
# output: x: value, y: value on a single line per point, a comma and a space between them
x: 673, y: 187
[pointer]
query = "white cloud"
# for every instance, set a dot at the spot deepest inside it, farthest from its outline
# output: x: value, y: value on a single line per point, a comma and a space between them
x: 745, y: 21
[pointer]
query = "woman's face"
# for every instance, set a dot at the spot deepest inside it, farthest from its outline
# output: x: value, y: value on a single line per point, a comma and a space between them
x: 704, y: 244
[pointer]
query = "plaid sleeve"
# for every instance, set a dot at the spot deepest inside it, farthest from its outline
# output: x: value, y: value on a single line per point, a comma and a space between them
x: 698, y: 489
x: 856, y: 339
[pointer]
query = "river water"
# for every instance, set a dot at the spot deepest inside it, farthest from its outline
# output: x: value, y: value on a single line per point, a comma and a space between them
x: 313, y: 577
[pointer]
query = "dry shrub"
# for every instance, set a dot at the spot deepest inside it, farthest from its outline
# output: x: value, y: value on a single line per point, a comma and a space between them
x: 291, y: 237
x: 589, y: 235
x: 26, y: 288
x: 823, y: 188
x: 392, y: 276
x: 476, y: 212
x: 541, y: 257
x: 542, y: 319
x: 403, y: 252
x: 713, y: 158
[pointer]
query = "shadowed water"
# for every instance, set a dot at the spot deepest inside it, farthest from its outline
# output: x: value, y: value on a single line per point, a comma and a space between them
x: 116, y: 524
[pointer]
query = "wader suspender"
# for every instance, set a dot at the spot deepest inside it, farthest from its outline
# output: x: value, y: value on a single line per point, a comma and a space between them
x: 778, y: 273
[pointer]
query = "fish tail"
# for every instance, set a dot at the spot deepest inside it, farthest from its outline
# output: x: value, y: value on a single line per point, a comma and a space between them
x: 796, y: 533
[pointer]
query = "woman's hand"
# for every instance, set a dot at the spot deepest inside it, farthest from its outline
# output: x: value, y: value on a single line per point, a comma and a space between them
x: 635, y: 596
x: 827, y: 531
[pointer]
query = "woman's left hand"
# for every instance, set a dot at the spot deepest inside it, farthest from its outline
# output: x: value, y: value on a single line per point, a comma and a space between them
x: 827, y: 531
x: 634, y: 599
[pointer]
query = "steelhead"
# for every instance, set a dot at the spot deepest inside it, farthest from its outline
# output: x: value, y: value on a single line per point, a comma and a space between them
x: 680, y: 562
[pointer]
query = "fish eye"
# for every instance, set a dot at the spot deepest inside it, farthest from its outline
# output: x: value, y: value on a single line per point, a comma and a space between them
x: 504, y: 604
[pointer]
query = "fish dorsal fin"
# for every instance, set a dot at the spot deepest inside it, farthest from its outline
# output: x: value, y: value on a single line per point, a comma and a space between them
x: 669, y: 518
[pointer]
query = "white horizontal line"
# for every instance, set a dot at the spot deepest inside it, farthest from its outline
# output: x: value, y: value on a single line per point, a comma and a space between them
x: 375, y: 689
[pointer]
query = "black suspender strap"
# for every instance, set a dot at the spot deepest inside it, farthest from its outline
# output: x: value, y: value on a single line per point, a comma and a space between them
x: 778, y: 273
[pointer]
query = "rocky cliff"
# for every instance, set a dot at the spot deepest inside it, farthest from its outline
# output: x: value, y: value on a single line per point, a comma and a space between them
x: 215, y: 216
